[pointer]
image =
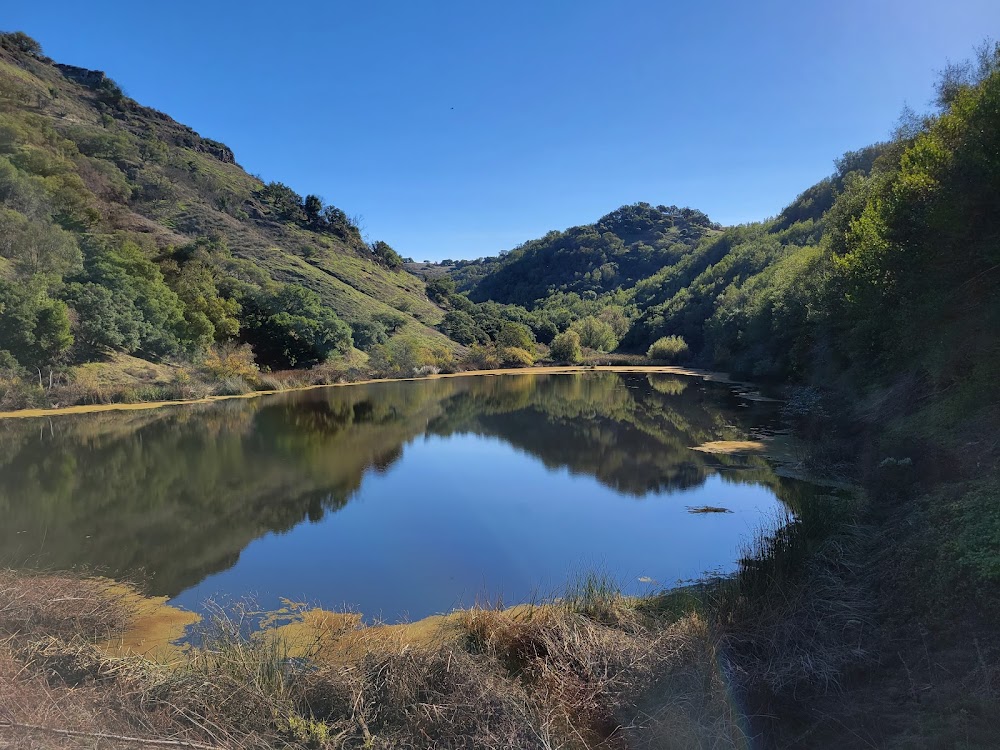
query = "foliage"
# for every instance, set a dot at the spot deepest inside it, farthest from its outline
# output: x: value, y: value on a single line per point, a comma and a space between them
x: 595, y: 334
x: 18, y: 41
x: 123, y: 302
x: 515, y: 335
x: 459, y: 326
x: 232, y: 361
x: 288, y: 326
x: 513, y: 356
x: 440, y: 289
x: 404, y: 357
x: 385, y: 255
x: 368, y: 333
x: 566, y: 347
x: 34, y: 328
x: 617, y: 251
x: 668, y: 348
x: 37, y: 247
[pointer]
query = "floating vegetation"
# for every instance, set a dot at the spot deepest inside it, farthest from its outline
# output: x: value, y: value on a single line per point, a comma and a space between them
x: 707, y: 509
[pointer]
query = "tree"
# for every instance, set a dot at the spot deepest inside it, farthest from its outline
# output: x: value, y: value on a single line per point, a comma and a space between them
x: 615, y: 317
x: 288, y: 326
x: 209, y: 315
x: 312, y: 206
x: 513, y: 356
x: 285, y: 202
x: 566, y: 347
x: 392, y: 321
x: 459, y: 326
x: 34, y: 328
x: 18, y: 41
x: 37, y: 247
x: 544, y: 329
x: 516, y: 336
x: 368, y: 333
x: 385, y: 255
x: 104, y: 320
x: 440, y: 288
x: 136, y: 299
x: 595, y: 334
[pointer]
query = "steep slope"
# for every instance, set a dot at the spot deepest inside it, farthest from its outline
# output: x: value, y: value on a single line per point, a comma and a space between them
x: 91, y: 179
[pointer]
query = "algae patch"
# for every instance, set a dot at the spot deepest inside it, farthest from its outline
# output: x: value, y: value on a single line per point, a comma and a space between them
x: 731, y: 447
x: 154, y: 627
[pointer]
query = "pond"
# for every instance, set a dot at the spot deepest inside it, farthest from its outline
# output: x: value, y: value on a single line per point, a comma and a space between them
x: 398, y: 499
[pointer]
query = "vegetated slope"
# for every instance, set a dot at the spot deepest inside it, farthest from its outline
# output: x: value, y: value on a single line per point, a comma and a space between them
x: 125, y: 230
x: 879, y: 289
x: 780, y: 256
x: 615, y: 252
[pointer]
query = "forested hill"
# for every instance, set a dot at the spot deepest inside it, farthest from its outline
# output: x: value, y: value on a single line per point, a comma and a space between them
x: 124, y: 232
x: 889, y: 265
x: 615, y: 252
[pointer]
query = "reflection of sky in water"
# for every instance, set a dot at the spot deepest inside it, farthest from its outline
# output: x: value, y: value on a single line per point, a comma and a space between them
x: 462, y: 518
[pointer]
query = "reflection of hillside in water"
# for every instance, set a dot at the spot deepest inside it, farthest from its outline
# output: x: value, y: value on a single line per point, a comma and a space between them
x: 179, y: 492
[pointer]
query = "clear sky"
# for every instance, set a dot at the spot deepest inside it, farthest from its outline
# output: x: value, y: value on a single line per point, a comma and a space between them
x: 459, y: 129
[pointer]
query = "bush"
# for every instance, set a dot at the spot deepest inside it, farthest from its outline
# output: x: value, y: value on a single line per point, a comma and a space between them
x: 405, y: 357
x: 514, y: 356
x: 595, y: 334
x: 668, y: 348
x: 232, y: 361
x: 368, y: 333
x: 566, y: 347
x: 481, y: 357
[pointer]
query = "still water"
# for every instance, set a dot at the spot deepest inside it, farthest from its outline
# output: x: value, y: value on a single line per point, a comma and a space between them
x: 397, y: 499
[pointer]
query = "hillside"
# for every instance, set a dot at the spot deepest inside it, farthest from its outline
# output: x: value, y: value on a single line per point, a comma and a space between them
x: 615, y: 252
x: 126, y: 231
x: 874, y: 298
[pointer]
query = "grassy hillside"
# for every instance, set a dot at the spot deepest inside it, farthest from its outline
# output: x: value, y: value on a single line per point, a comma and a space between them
x: 125, y: 231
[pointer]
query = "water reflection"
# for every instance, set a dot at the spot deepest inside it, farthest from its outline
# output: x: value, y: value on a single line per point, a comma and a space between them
x: 180, y: 492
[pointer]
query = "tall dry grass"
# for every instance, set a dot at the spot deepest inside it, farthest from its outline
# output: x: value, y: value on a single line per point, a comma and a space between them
x: 529, y: 677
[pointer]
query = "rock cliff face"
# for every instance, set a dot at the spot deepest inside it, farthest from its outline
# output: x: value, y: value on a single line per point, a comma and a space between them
x: 84, y: 76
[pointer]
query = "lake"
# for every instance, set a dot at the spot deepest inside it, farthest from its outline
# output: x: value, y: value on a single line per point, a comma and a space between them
x: 398, y: 499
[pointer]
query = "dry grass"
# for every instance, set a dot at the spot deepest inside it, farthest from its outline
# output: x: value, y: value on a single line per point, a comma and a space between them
x: 625, y: 681
x: 62, y: 605
x: 527, y: 677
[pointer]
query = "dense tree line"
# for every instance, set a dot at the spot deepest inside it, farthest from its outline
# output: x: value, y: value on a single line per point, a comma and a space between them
x: 889, y: 262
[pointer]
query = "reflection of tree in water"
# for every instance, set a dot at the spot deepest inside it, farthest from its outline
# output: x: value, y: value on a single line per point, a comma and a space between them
x: 632, y: 433
x: 181, y: 491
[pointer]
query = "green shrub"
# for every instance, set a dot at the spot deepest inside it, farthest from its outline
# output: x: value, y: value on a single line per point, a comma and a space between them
x: 514, y: 356
x: 566, y: 347
x: 595, y: 334
x: 668, y: 348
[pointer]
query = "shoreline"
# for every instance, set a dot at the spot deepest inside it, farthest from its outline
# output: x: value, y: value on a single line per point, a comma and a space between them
x: 544, y: 370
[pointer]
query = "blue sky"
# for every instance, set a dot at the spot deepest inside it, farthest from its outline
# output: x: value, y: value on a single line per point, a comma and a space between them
x: 459, y: 129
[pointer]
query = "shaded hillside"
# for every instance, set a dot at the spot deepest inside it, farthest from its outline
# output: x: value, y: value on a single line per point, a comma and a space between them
x: 125, y: 230
x: 615, y: 252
